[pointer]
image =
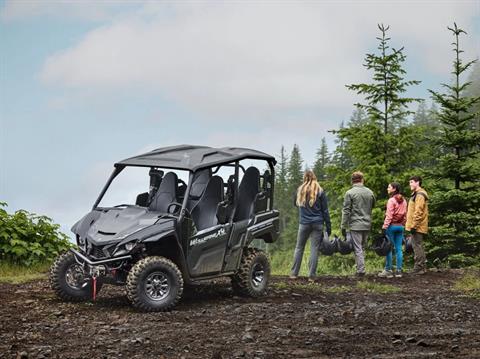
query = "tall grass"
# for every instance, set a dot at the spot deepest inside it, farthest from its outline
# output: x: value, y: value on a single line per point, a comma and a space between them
x: 16, y: 273
x: 337, y: 264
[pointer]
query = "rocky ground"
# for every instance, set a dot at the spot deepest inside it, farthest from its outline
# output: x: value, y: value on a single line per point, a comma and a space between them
x: 411, y: 317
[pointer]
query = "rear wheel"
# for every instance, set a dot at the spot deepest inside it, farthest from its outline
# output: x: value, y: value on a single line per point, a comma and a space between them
x: 69, y: 280
x: 253, y: 275
x: 154, y: 284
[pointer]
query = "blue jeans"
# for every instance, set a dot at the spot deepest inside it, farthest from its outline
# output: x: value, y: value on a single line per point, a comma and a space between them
x: 395, y: 235
x: 315, y: 230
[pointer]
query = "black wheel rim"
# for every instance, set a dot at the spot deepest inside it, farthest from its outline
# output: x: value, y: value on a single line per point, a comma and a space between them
x: 75, y: 277
x: 258, y: 274
x: 157, y: 286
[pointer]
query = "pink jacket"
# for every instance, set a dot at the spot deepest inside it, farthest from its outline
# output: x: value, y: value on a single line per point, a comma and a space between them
x: 396, y: 211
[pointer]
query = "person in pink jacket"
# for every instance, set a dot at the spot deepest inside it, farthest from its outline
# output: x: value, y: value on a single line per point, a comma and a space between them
x: 393, y: 227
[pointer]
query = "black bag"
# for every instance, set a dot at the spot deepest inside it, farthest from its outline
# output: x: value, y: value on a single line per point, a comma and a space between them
x: 382, y: 245
x: 344, y: 246
x: 327, y: 246
x: 408, y: 244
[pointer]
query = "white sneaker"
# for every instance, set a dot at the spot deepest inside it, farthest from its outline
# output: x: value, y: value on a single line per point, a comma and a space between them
x: 386, y: 274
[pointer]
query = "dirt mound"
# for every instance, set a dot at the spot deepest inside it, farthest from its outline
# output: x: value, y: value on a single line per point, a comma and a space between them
x: 411, y: 317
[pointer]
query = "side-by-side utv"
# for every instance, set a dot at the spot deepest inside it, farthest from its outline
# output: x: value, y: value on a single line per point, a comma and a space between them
x: 178, y: 232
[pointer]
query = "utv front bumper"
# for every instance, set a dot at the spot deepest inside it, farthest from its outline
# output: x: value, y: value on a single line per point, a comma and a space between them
x: 82, y: 259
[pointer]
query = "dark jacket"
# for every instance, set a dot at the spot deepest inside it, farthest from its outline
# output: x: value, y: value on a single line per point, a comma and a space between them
x: 318, y: 213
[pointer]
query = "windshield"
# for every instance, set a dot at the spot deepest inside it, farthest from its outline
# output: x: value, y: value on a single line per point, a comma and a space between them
x: 137, y: 186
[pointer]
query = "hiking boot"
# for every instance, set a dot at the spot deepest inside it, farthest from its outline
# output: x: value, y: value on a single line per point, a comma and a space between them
x: 398, y: 274
x: 386, y: 273
x: 360, y: 274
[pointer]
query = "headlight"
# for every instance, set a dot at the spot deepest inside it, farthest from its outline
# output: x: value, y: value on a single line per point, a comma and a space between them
x: 130, y: 246
x: 80, y: 241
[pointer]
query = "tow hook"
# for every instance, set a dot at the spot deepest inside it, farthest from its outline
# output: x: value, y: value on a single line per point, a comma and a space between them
x: 95, y: 272
x: 94, y: 288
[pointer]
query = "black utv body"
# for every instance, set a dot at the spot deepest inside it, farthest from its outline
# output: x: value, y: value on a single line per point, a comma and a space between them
x: 177, y: 233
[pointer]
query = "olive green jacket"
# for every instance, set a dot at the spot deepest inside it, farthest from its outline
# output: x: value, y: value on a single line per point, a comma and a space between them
x: 357, y: 208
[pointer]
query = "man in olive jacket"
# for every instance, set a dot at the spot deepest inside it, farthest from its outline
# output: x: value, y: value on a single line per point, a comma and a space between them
x: 417, y: 222
x: 357, y: 217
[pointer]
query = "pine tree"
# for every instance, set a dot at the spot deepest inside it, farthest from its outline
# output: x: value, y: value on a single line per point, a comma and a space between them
x: 321, y: 161
x: 385, y: 105
x: 281, y: 187
x: 359, y: 117
x: 456, y: 202
x: 294, y: 180
x: 295, y: 170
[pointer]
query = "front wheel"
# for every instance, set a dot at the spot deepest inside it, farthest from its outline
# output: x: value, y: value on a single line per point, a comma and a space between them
x: 253, y: 275
x: 154, y: 284
x: 69, y: 280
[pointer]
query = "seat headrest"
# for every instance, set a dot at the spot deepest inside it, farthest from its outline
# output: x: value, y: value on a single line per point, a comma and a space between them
x: 199, y: 183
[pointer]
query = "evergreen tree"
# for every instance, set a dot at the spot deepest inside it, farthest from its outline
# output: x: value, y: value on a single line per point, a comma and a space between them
x: 456, y: 201
x: 295, y: 171
x: 359, y: 117
x: 385, y: 106
x: 321, y: 161
x: 426, y: 128
x: 382, y: 145
x: 282, y: 202
x: 294, y: 180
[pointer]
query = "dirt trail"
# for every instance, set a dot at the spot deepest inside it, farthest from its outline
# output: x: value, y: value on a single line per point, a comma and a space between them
x: 334, y: 317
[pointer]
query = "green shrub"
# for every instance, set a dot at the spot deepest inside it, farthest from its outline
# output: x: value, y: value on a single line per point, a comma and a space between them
x: 27, y: 238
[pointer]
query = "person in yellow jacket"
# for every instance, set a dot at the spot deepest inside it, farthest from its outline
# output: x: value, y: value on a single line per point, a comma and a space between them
x: 417, y: 222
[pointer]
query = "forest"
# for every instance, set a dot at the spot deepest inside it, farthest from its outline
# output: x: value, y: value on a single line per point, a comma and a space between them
x: 390, y: 137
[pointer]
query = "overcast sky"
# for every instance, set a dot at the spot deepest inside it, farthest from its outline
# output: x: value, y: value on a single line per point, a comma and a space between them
x: 84, y: 84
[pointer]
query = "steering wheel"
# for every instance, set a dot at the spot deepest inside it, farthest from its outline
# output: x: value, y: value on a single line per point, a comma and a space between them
x: 174, y: 204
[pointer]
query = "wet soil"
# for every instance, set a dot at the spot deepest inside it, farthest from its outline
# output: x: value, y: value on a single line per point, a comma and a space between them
x: 334, y: 317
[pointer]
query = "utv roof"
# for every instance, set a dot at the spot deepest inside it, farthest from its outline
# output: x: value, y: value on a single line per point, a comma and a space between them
x: 192, y: 158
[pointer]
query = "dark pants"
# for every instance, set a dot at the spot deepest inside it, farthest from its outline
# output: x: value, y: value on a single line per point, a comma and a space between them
x: 304, y: 231
x: 418, y: 252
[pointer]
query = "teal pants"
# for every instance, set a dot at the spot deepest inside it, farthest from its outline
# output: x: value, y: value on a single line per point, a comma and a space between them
x: 395, y: 235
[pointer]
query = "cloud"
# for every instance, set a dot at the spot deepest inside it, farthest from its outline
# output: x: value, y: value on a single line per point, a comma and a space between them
x: 88, y: 10
x: 236, y: 58
x: 253, y: 56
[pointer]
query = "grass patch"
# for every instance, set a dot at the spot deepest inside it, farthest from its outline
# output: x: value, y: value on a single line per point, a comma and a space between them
x: 281, y: 263
x: 310, y: 287
x: 17, y: 274
x: 379, y: 288
x: 338, y: 289
x: 304, y: 287
x: 469, y: 284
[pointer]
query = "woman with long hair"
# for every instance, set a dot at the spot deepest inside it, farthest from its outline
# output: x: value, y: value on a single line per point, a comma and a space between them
x: 313, y: 214
x: 393, y: 227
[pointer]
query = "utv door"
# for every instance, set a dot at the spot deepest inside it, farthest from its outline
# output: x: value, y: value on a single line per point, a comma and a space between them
x: 206, y: 250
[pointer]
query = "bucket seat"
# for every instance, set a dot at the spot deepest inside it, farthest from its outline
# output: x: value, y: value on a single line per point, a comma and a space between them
x: 166, y: 193
x: 204, y: 213
x: 247, y: 193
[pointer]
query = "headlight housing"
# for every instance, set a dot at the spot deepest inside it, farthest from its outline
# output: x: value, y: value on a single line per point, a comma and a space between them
x: 130, y: 246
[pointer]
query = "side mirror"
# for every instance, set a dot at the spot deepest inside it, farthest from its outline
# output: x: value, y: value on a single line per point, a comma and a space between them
x: 142, y: 199
x: 222, y: 213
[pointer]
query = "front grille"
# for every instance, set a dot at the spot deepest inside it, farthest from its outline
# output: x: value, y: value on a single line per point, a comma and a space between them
x: 97, y: 252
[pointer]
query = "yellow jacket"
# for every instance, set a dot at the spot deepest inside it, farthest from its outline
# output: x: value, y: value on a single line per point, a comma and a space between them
x: 417, y: 212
